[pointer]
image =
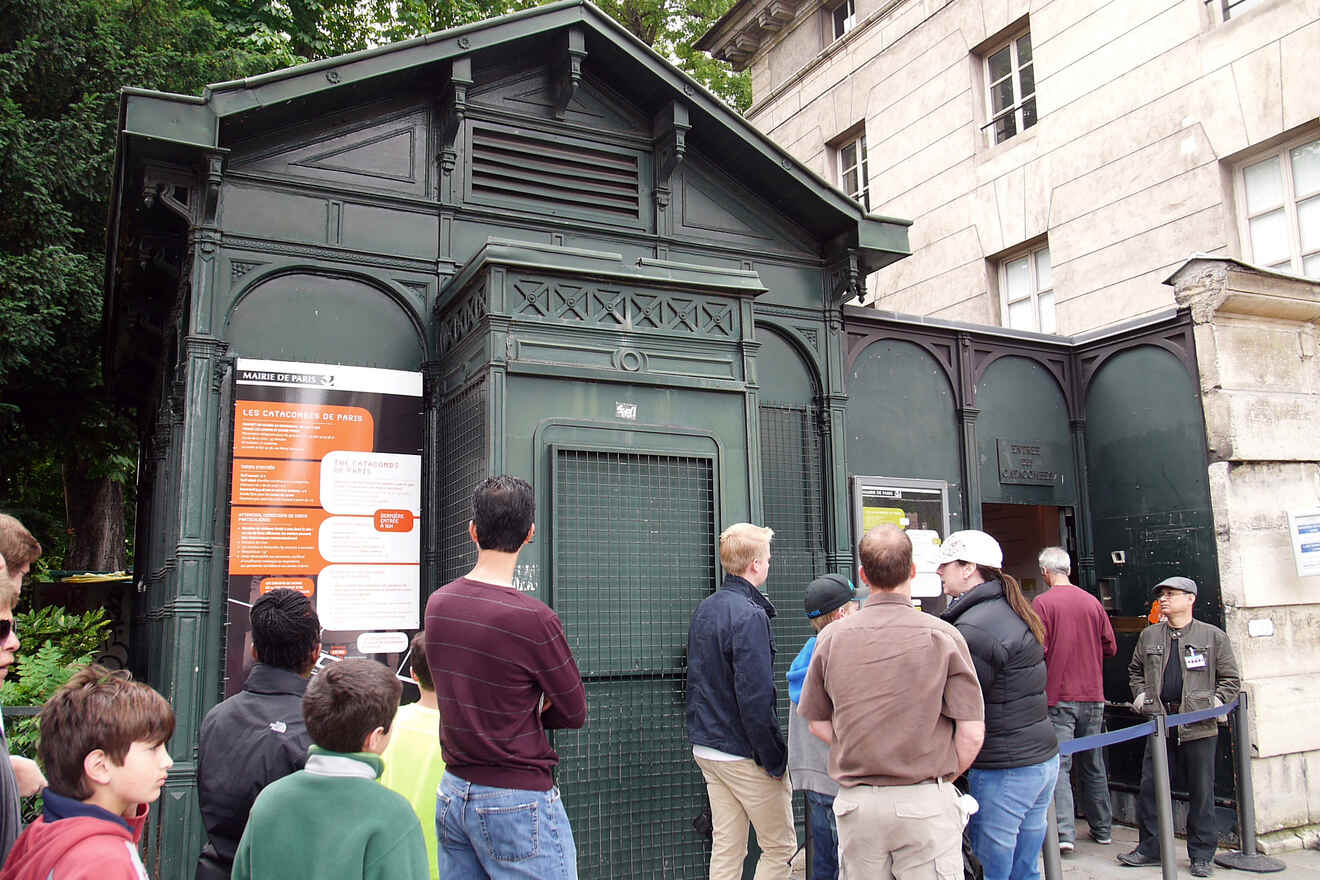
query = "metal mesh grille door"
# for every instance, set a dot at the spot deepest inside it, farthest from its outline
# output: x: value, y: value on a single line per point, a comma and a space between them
x: 794, y: 503
x: 462, y: 465
x: 634, y: 553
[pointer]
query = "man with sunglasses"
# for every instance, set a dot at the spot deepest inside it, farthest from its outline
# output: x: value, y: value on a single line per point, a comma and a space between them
x: 19, y: 776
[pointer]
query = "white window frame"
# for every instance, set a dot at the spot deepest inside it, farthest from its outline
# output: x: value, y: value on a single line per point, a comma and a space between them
x: 863, y: 194
x: 1296, y: 256
x: 1037, y: 291
x: 1015, y: 75
x: 849, y: 20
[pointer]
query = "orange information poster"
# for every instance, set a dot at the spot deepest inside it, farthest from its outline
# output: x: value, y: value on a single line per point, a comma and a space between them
x: 325, y: 495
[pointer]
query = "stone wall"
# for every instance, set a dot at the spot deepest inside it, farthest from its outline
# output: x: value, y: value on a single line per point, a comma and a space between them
x: 1144, y: 108
x: 1260, y: 387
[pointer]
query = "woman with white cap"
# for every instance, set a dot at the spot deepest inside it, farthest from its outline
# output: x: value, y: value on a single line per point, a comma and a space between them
x: 1013, y: 776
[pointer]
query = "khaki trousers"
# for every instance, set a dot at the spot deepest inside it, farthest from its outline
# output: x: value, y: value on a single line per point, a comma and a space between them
x: 907, y: 832
x: 740, y: 791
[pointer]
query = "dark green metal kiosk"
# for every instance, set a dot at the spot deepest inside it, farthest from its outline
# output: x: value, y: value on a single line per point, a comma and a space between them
x: 615, y: 287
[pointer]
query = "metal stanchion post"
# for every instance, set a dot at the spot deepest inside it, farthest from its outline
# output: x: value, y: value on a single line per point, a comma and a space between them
x: 1050, y: 852
x: 1248, y: 859
x: 1164, y: 797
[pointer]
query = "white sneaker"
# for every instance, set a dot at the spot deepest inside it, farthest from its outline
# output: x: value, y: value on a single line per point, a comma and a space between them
x: 1065, y: 847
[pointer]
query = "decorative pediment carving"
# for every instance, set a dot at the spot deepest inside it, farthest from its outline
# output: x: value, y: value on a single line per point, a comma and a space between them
x: 535, y: 93
x: 377, y: 152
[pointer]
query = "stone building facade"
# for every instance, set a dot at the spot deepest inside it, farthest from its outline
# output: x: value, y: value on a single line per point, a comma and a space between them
x: 1105, y: 141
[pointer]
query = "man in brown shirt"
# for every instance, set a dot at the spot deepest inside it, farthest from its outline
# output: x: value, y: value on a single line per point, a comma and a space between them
x: 894, y: 693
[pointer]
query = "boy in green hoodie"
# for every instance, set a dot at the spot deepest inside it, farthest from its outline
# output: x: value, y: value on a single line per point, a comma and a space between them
x: 331, y: 820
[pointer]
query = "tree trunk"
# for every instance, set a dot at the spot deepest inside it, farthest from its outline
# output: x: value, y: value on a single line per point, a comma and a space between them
x: 96, y: 520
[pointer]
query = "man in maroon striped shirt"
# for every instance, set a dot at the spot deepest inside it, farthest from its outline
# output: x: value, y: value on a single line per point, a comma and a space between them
x: 503, y: 675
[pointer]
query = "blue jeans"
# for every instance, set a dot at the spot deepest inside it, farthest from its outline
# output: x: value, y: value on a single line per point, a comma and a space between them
x: 824, y: 837
x: 1009, y: 829
x: 1073, y: 721
x: 486, y: 832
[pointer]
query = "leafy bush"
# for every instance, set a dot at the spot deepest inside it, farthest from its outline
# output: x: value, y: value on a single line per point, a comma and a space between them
x: 55, y: 643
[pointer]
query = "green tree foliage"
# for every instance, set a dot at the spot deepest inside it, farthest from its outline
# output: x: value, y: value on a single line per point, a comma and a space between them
x: 67, y: 449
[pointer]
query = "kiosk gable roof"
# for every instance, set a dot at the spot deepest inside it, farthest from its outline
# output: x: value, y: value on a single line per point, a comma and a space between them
x: 157, y: 122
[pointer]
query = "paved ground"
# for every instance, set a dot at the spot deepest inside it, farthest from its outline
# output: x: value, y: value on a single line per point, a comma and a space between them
x: 1090, y: 861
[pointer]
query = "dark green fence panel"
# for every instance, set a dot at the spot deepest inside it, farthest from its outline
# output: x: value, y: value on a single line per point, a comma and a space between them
x: 634, y: 552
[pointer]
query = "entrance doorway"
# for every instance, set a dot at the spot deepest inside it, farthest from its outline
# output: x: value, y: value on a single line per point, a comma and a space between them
x: 1023, y: 530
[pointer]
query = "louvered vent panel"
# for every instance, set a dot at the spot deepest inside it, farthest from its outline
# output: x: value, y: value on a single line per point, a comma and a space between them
x: 556, y: 175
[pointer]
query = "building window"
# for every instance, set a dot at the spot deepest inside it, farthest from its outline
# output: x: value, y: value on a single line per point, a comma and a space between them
x: 844, y: 17
x: 1280, y: 215
x: 1011, y: 80
x: 1026, y: 291
x: 853, y: 176
x: 1237, y: 7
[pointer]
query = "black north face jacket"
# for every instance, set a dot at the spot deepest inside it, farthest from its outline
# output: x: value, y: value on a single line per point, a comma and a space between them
x: 247, y: 742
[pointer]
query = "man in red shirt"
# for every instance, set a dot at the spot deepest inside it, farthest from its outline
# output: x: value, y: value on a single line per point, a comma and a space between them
x: 503, y: 675
x: 1078, y: 636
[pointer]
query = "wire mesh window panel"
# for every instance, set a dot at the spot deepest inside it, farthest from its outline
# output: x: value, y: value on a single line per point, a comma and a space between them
x: 794, y: 502
x: 634, y: 553
x: 462, y: 466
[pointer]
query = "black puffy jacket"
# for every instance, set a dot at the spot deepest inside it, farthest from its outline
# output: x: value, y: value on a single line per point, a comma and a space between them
x: 1010, y: 665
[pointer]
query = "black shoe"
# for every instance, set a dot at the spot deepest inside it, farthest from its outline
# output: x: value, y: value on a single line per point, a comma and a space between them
x: 1202, y: 868
x: 1102, y: 839
x: 1137, y: 859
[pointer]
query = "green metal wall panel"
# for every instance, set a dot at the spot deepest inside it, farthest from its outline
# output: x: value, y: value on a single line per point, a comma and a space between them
x: 317, y: 318
x: 1150, y: 493
x: 901, y: 420
x: 1150, y: 499
x: 1020, y: 401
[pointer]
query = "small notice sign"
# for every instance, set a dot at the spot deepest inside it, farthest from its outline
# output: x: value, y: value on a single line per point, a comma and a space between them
x: 1023, y: 463
x: 1304, y: 529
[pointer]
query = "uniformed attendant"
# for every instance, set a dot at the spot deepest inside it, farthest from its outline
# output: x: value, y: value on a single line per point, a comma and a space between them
x: 1181, y: 665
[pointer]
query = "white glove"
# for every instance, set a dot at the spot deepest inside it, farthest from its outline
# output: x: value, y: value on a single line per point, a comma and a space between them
x: 1140, y: 702
x: 967, y: 805
x: 1222, y: 719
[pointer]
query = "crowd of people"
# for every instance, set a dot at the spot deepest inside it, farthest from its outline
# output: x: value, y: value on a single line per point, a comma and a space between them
x: 918, y: 737
x: 914, y: 736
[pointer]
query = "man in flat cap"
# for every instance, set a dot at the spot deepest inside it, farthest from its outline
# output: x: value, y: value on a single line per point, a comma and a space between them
x: 1181, y: 665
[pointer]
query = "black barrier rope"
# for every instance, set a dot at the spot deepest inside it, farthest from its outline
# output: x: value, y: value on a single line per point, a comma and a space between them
x: 1099, y: 740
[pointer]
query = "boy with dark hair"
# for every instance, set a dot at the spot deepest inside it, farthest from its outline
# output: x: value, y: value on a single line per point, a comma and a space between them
x: 503, y: 674
x: 413, y: 763
x: 256, y: 736
x: 103, y: 745
x: 331, y: 820
x: 828, y: 598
